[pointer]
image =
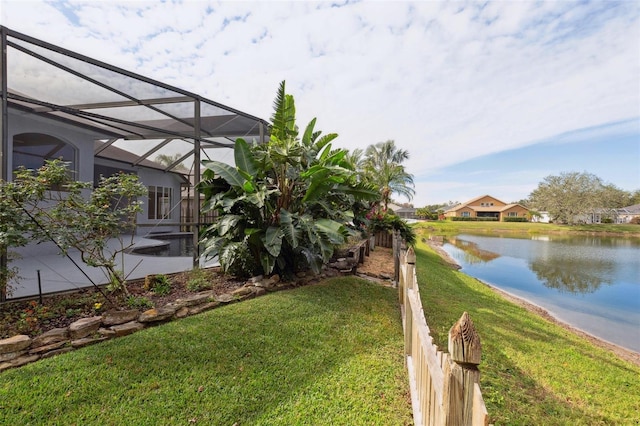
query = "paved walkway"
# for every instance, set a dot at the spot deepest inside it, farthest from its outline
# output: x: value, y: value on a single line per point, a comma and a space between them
x: 58, y: 273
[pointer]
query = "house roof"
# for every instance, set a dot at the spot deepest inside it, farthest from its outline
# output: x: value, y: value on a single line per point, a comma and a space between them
x: 471, y: 201
x: 469, y: 205
x: 634, y: 209
x: 117, y: 154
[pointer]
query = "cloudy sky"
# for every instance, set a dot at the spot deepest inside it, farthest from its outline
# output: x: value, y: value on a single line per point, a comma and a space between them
x: 488, y: 97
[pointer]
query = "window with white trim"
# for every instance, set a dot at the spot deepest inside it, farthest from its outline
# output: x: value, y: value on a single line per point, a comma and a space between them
x: 465, y: 214
x: 512, y: 214
x: 159, y: 202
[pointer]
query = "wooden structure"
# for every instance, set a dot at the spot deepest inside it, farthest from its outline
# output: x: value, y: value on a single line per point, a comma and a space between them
x: 444, y: 386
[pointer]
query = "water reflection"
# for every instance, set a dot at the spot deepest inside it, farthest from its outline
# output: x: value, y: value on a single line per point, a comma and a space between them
x: 573, y: 275
x: 572, y: 264
x: 590, y: 282
x: 473, y: 253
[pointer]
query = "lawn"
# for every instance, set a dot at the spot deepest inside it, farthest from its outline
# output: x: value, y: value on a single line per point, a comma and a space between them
x: 324, y: 354
x: 532, y: 371
x: 449, y: 227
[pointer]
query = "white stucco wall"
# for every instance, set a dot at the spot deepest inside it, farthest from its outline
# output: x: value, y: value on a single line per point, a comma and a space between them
x: 81, y: 139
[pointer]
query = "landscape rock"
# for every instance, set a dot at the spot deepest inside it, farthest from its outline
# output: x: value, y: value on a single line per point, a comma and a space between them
x: 12, y: 355
x: 182, y: 312
x: 86, y: 341
x: 242, y: 291
x: 105, y: 332
x: 196, y: 299
x: 84, y: 327
x: 18, y: 362
x: 255, y: 279
x: 157, y: 314
x: 259, y: 291
x: 42, y: 349
x: 204, y: 307
x: 128, y: 328
x: 14, y: 344
x: 226, y: 298
x: 119, y: 317
x: 54, y: 335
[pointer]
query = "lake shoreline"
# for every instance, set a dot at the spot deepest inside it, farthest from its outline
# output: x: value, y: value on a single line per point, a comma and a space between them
x: 621, y: 352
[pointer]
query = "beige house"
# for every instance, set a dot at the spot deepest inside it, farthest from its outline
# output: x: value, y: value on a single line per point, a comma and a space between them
x: 487, y: 206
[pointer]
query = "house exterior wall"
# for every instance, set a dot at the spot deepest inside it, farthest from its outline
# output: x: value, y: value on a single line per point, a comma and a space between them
x: 519, y: 210
x: 167, y: 180
x: 156, y: 178
x: 486, y: 207
x: 487, y: 201
x: 81, y: 139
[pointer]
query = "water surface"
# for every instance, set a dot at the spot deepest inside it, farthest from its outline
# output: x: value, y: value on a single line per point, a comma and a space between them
x: 592, y: 283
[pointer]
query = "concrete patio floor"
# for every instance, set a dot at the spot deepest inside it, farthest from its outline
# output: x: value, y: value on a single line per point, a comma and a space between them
x: 58, y: 273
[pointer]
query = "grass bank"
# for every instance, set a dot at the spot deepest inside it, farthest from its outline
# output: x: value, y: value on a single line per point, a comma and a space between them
x: 448, y: 227
x: 533, y: 371
x: 324, y: 354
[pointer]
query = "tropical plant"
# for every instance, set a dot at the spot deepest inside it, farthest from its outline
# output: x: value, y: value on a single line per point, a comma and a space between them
x: 382, y: 165
x: 385, y: 221
x: 286, y: 203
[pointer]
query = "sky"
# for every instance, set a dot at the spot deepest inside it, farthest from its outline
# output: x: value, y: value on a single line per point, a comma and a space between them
x: 487, y: 97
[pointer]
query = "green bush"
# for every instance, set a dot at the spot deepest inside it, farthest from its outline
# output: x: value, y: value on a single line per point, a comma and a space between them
x: 391, y: 222
x: 198, y: 280
x: 137, y: 302
x: 515, y: 219
x: 474, y: 219
x: 158, y: 284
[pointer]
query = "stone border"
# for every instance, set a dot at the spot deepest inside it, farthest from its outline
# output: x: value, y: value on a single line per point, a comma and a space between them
x: 19, y: 350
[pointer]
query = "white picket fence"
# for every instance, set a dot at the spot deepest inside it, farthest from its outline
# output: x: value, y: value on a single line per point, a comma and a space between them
x: 444, y: 386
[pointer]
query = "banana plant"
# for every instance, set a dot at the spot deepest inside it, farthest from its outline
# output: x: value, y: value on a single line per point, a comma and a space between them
x: 286, y: 204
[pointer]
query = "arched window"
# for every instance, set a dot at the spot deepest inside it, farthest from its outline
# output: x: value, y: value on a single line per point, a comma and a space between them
x: 32, y: 149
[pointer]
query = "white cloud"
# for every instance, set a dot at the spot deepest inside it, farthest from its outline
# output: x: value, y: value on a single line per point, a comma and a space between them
x: 449, y: 81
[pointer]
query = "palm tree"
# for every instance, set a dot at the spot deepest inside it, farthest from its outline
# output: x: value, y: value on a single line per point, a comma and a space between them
x: 383, y: 166
x: 167, y: 160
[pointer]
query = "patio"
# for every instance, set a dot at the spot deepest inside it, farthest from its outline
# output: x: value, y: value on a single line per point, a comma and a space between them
x: 58, y: 273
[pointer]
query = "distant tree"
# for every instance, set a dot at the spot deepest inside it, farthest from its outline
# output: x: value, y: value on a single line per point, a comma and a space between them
x: 613, y: 197
x: 382, y: 165
x: 167, y: 160
x: 572, y: 194
x: 634, y: 198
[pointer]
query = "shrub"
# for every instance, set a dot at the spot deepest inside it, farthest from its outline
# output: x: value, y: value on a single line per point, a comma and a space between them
x: 198, y: 280
x: 137, y: 302
x: 515, y: 219
x: 159, y: 284
x: 390, y: 222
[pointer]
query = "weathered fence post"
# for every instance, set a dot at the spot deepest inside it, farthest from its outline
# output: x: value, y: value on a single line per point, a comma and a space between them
x: 396, y: 256
x: 461, y: 372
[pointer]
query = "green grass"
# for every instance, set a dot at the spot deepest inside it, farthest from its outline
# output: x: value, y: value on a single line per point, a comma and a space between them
x: 324, y: 354
x: 533, y: 372
x: 448, y: 227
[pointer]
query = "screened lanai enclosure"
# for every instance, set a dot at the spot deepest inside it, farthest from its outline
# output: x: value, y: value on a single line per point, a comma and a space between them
x: 60, y: 104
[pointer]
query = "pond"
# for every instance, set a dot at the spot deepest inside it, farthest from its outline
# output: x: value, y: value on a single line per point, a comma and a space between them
x: 592, y: 283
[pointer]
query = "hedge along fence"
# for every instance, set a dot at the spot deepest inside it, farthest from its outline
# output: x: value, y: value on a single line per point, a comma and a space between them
x: 444, y: 386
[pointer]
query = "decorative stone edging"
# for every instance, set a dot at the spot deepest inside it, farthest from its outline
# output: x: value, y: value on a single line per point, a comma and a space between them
x: 19, y: 350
